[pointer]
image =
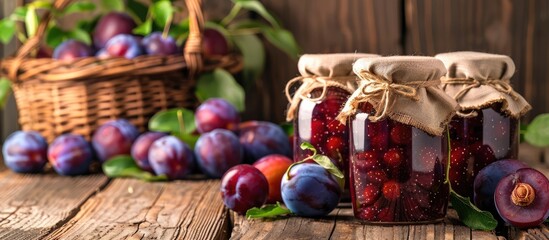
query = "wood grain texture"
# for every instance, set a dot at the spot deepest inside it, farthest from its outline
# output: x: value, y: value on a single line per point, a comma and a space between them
x: 324, y: 27
x: 135, y: 209
x: 512, y: 27
x: 32, y: 206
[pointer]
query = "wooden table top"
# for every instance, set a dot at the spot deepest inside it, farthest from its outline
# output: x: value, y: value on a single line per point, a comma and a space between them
x: 49, y: 206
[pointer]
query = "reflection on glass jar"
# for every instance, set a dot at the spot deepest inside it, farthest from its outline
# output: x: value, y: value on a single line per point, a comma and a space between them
x: 478, y: 141
x: 316, y: 124
x: 397, y: 172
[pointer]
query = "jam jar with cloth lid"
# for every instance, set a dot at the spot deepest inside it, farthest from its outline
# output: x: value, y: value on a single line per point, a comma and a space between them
x: 486, y: 126
x: 398, y: 120
x: 326, y: 82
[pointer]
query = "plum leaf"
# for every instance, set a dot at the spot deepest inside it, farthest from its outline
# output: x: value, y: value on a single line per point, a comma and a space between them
x: 144, y: 29
x: 162, y: 12
x: 175, y: 120
x: 220, y: 84
x: 253, y: 54
x: 7, y: 30
x: 79, y: 7
x: 472, y: 216
x: 257, y: 6
x: 124, y: 166
x: 283, y: 40
x: 5, y: 87
x: 268, y: 211
x: 537, y: 132
x: 111, y: 5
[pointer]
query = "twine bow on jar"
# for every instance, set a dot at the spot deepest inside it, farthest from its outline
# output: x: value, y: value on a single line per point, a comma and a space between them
x: 310, y: 83
x: 381, y: 91
x: 469, y: 83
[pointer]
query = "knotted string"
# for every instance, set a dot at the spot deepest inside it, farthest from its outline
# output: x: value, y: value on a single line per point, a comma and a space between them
x: 469, y: 83
x: 310, y: 83
x: 374, y: 88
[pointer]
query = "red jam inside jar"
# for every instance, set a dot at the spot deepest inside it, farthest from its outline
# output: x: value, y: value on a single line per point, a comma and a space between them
x: 397, y: 172
x: 478, y: 141
x: 316, y: 123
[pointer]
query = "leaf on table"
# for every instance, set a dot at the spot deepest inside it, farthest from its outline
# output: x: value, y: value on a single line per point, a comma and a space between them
x: 220, y: 84
x: 162, y: 12
x: 470, y: 215
x: 284, y: 40
x: 537, y: 132
x: 253, y: 53
x: 268, y: 211
x: 170, y: 121
x: 5, y: 88
x: 7, y: 30
x: 257, y: 6
x: 125, y: 166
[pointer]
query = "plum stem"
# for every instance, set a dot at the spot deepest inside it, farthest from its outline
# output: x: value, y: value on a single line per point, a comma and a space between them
x: 180, y: 121
x: 523, y: 194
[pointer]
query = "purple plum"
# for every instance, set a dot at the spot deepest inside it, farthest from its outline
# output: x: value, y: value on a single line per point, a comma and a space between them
x: 309, y: 190
x: 124, y: 45
x: 110, y: 25
x: 217, y: 151
x: 70, y: 154
x: 114, y: 138
x: 244, y: 187
x: 141, y: 146
x: 72, y: 49
x: 216, y: 113
x: 261, y: 139
x: 156, y: 44
x: 170, y: 156
x: 25, y: 152
x: 214, y: 43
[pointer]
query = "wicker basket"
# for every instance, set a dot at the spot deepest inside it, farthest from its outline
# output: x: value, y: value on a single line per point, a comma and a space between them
x: 55, y: 97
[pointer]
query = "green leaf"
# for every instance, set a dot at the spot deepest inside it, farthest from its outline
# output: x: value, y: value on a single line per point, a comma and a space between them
x: 268, y: 211
x: 55, y: 36
x: 257, y: 6
x: 31, y: 21
x: 470, y: 215
x: 88, y: 25
x: 283, y: 40
x: 41, y: 4
x: 189, y: 139
x: 220, y: 84
x: 253, y: 53
x: 327, y: 164
x: 113, y: 5
x: 248, y: 24
x: 170, y: 121
x: 180, y: 31
x: 19, y: 13
x: 7, y: 29
x: 537, y: 132
x: 162, y: 12
x: 5, y: 87
x: 80, y: 35
x: 79, y: 7
x: 144, y: 29
x: 125, y: 166
x: 138, y: 10
x: 288, y: 128
x: 307, y: 146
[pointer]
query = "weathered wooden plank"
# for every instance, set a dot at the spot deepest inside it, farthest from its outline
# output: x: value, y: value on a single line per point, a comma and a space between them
x: 512, y: 27
x: 287, y: 228
x: 32, y: 206
x: 135, y: 209
x: 539, y: 233
x: 323, y: 27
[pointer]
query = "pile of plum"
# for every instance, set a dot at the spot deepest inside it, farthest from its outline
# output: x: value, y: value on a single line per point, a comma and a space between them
x: 113, y: 37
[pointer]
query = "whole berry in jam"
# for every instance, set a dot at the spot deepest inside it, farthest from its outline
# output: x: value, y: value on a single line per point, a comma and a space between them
x: 370, y: 194
x: 391, y: 190
x: 401, y: 134
x: 393, y: 157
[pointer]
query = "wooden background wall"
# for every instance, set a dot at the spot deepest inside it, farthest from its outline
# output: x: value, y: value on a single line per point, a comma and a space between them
x: 518, y: 28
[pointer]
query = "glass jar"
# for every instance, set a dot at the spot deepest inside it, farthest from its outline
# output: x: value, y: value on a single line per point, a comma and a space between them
x: 397, y: 171
x: 316, y: 123
x: 477, y: 141
x: 486, y: 128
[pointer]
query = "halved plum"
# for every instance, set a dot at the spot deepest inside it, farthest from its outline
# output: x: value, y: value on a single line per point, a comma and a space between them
x: 522, y: 198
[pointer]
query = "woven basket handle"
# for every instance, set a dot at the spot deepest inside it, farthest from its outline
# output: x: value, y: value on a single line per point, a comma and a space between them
x: 192, y: 51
